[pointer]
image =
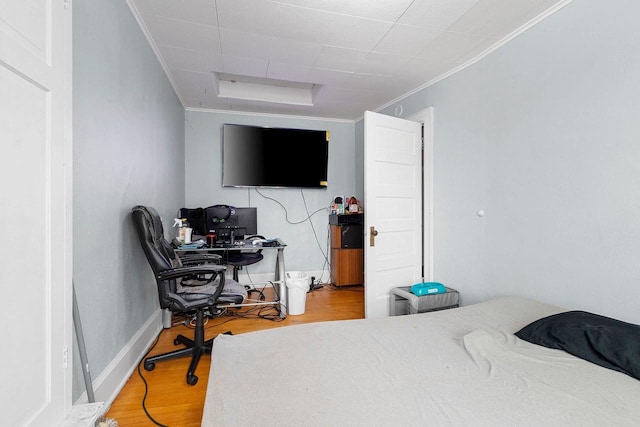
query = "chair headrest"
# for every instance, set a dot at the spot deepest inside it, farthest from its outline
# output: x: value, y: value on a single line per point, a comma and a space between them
x: 149, y: 222
x: 148, y: 225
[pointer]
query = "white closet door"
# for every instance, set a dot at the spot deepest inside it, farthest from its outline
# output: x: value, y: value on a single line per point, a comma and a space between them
x: 35, y: 195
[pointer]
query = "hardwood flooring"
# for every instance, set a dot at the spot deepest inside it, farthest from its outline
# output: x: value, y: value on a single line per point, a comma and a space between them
x: 170, y: 401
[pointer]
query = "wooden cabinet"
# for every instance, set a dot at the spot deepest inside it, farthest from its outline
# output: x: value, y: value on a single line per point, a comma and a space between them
x: 347, y: 255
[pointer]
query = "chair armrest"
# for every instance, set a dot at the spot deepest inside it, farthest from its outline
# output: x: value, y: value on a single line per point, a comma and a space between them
x: 190, y: 259
x: 186, y: 301
x: 175, y: 273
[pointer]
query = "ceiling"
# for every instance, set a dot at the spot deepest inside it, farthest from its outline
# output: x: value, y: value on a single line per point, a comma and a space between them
x: 322, y: 58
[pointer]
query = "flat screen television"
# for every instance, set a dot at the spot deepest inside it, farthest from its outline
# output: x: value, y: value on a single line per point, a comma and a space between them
x: 254, y: 156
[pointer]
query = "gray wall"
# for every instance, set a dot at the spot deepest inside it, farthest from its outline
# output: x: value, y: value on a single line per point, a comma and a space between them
x: 128, y: 132
x: 543, y: 136
x: 281, y: 212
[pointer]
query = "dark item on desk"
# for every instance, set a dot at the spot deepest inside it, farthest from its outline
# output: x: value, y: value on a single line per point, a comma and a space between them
x: 221, y: 244
x: 217, y: 217
x: 216, y: 214
x: 211, y: 238
x: 205, y: 299
x: 196, y: 219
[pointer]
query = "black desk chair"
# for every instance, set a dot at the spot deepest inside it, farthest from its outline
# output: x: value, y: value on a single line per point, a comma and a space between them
x: 245, y: 257
x: 195, y: 290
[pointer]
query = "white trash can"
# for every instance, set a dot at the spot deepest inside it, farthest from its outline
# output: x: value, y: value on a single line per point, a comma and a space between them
x: 297, y: 287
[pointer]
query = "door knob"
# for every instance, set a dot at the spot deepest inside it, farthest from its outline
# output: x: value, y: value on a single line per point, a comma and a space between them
x: 372, y: 236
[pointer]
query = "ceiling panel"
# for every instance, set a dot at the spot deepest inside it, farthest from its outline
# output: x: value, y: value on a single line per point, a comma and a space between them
x: 361, y: 54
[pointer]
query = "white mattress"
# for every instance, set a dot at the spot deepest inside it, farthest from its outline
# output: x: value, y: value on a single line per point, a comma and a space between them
x: 459, y: 367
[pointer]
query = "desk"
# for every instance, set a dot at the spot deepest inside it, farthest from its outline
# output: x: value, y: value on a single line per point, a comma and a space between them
x: 279, y: 273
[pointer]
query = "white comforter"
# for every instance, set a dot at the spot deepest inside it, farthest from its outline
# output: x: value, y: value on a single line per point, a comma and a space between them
x: 459, y: 367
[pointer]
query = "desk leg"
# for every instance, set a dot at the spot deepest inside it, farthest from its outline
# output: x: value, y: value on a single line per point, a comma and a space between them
x: 280, y: 277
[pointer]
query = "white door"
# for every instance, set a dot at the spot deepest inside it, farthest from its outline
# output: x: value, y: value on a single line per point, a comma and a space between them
x: 35, y: 195
x: 393, y: 203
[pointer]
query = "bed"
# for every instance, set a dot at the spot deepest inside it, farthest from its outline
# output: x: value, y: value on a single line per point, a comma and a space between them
x: 458, y: 367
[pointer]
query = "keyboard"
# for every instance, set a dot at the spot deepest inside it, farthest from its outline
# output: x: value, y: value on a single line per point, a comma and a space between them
x: 225, y: 245
x: 222, y: 245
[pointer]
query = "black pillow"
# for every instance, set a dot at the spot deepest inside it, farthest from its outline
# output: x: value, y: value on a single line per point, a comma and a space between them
x: 601, y: 340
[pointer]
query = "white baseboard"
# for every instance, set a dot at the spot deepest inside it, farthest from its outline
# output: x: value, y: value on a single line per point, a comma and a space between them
x: 114, y: 377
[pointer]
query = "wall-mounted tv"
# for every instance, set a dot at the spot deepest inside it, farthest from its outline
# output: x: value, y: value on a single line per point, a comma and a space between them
x: 254, y: 156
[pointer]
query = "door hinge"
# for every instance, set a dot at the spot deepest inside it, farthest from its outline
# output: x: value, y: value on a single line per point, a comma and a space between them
x: 65, y: 356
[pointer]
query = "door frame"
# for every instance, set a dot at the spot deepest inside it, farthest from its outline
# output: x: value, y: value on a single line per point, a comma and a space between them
x: 426, y: 118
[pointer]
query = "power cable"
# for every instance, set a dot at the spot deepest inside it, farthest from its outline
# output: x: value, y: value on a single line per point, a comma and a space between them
x: 308, y: 218
x: 146, y: 385
x: 286, y: 213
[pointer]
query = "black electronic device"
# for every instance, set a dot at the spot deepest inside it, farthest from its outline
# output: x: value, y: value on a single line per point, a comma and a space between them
x: 245, y: 218
x: 339, y: 219
x: 196, y: 219
x: 351, y: 236
x: 240, y: 223
x: 254, y: 156
x: 351, y: 229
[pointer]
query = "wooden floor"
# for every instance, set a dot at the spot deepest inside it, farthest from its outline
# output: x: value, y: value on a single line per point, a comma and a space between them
x: 170, y: 401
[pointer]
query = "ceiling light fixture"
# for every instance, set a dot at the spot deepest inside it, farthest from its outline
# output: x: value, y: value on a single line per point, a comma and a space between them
x: 265, y: 90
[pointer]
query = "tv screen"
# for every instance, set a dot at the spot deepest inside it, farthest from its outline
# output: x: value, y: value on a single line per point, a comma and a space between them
x: 255, y: 156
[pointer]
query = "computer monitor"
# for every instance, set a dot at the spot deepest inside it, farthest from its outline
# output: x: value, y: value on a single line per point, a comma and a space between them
x: 243, y: 222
